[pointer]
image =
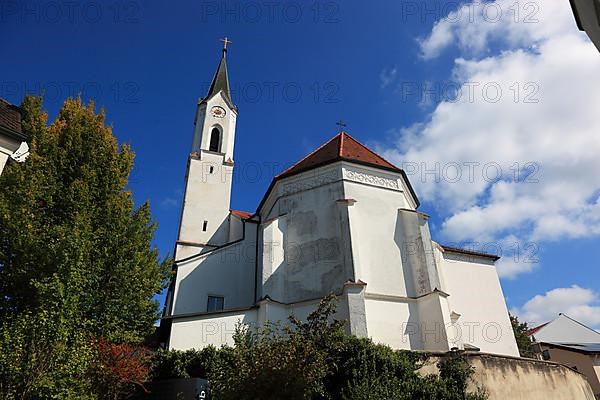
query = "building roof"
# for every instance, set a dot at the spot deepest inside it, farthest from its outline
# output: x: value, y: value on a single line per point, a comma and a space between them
x: 340, y: 147
x: 588, y: 348
x: 533, y: 331
x: 450, y: 249
x: 241, y: 214
x: 564, y: 329
x: 220, y: 82
x: 10, y: 120
x: 587, y: 15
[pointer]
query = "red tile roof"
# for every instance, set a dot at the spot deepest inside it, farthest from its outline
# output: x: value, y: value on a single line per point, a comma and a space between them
x: 535, y: 330
x: 341, y: 147
x: 10, y: 116
x: 241, y: 214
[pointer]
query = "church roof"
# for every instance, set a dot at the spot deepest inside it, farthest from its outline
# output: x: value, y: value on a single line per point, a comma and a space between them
x: 342, y: 147
x: 220, y: 82
x: 339, y: 148
x: 241, y: 214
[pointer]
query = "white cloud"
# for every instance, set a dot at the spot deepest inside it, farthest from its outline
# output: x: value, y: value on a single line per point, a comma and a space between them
x: 387, y: 76
x: 576, y: 302
x: 519, y: 24
x: 546, y: 119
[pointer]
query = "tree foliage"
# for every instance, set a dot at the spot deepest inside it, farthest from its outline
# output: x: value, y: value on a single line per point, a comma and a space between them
x: 76, y: 255
x: 523, y: 340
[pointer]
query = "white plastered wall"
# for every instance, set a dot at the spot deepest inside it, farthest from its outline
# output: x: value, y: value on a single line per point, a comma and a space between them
x: 374, y: 229
x: 227, y: 272
x: 393, y: 322
x: 476, y: 295
x: 302, y: 242
x: 210, y: 329
x: 207, y: 198
x: 7, y: 148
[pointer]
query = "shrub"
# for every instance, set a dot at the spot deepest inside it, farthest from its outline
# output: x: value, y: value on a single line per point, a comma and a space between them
x: 315, y: 360
x: 171, y: 364
x: 277, y: 362
x: 117, y: 370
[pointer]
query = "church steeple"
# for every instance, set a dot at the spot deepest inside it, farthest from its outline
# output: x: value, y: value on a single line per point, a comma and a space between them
x: 220, y: 81
x: 210, y: 167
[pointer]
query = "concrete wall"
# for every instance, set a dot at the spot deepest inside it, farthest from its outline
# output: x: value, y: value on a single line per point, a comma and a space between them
x: 587, y: 364
x: 523, y: 379
x: 514, y: 378
x: 477, y: 297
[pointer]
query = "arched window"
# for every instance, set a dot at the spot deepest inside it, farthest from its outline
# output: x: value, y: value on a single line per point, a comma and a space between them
x: 215, y: 140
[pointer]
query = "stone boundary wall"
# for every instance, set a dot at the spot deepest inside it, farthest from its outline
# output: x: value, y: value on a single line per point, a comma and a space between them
x: 516, y: 378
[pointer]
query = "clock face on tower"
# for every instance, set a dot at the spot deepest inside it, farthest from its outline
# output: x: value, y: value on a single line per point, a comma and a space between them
x: 217, y: 112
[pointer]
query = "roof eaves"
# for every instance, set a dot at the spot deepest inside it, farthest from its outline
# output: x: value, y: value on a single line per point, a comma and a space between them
x: 583, y: 348
x: 469, y: 252
x: 576, y: 15
x: 20, y: 136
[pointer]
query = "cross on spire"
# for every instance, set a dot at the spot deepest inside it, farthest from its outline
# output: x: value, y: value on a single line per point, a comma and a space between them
x: 341, y: 124
x: 225, y: 41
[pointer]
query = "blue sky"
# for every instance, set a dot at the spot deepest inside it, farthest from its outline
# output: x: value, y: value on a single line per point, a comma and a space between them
x: 298, y: 67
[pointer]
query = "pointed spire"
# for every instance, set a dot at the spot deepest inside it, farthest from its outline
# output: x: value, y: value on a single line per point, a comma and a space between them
x: 220, y: 81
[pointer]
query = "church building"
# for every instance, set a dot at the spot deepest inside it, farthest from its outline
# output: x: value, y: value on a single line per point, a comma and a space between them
x: 342, y: 220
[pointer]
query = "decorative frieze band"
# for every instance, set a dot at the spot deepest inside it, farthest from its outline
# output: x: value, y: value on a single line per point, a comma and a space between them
x: 325, y: 177
x: 371, y: 179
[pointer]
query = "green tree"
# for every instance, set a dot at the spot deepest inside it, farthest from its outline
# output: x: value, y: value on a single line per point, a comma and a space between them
x: 73, y: 246
x: 279, y: 362
x: 523, y: 340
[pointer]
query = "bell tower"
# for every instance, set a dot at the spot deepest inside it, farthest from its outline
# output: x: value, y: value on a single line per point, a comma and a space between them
x: 205, y: 212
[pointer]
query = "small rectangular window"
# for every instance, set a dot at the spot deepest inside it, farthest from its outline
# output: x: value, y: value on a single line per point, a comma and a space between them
x: 204, y: 226
x: 215, y: 303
